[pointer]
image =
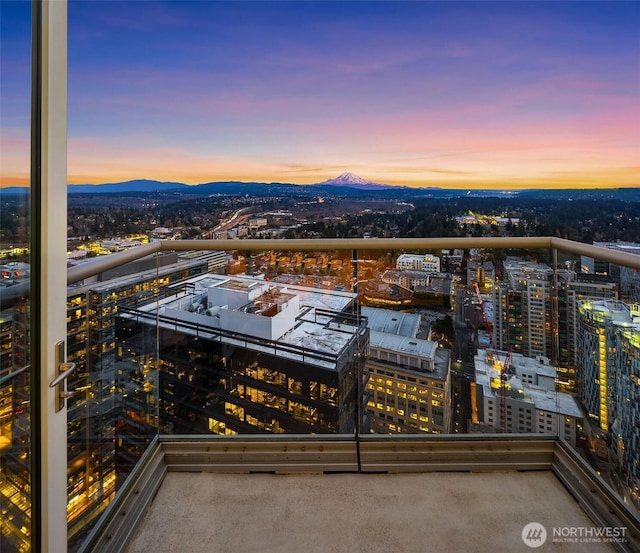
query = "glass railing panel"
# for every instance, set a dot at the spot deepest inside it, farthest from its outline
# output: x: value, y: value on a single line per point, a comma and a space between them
x: 358, y: 342
x: 109, y: 423
x: 241, y: 351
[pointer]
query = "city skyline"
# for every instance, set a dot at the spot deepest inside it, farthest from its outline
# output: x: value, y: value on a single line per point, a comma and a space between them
x: 453, y: 95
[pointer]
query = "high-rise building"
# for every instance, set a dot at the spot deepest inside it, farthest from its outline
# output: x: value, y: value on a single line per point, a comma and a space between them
x: 408, y: 384
x: 609, y: 380
x: 524, y: 308
x: 625, y: 430
x: 597, y: 363
x: 626, y: 277
x: 522, y: 396
x: 93, y: 411
x: 576, y: 292
x: 536, y: 311
x: 241, y: 355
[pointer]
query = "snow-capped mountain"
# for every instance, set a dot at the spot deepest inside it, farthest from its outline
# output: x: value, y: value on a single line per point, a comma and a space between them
x: 352, y: 181
x: 347, y: 178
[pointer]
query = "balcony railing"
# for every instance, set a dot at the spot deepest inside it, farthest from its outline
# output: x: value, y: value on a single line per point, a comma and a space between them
x: 167, y: 364
x: 550, y: 243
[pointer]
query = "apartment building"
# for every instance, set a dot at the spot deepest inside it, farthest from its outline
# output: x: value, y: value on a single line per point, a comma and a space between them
x: 625, y: 429
x: 576, y: 292
x: 536, y: 310
x: 609, y: 380
x: 417, y: 262
x: 514, y: 393
x: 525, y: 308
x: 627, y: 278
x: 482, y: 273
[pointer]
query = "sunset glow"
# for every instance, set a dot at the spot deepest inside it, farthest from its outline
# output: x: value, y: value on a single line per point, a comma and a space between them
x: 451, y: 94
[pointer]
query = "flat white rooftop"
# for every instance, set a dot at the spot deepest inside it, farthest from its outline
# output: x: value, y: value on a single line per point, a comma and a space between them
x: 403, y: 344
x: 391, y: 322
x: 314, y: 337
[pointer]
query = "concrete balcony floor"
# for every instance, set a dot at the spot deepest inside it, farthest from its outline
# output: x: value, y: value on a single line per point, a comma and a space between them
x: 386, y: 494
x: 324, y: 513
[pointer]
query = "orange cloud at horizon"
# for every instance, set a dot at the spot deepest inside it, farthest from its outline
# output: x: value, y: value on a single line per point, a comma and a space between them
x: 452, y: 159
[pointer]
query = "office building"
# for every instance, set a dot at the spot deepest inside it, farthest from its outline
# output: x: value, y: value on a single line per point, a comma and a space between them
x: 240, y: 355
x: 408, y: 385
x: 94, y: 409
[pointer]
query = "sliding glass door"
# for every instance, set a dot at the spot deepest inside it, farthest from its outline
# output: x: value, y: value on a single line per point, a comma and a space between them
x: 32, y: 277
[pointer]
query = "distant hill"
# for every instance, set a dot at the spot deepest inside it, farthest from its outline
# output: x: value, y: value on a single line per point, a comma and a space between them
x: 244, y: 188
x: 14, y: 191
x: 345, y: 185
x: 142, y: 185
x: 621, y: 194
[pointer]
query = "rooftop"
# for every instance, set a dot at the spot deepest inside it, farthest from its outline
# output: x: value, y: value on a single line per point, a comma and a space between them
x: 628, y: 247
x: 306, y: 329
x: 555, y: 402
x: 542, y: 398
x: 403, y: 344
x: 391, y: 322
x: 618, y: 311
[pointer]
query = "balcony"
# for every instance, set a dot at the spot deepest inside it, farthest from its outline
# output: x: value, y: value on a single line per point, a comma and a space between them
x: 291, y: 493
x: 186, y: 431
x: 489, y: 484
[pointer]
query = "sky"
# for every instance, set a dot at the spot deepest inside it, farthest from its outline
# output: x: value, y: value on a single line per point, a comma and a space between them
x: 451, y: 94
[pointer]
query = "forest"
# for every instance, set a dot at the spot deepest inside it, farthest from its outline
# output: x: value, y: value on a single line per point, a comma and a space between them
x: 110, y: 215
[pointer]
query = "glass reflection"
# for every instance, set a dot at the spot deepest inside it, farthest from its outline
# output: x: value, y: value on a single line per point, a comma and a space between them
x: 15, y: 408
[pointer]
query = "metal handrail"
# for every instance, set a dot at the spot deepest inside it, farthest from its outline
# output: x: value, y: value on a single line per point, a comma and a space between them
x: 99, y: 265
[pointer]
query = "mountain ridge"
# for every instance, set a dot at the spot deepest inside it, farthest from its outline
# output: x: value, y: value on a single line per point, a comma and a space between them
x: 347, y: 184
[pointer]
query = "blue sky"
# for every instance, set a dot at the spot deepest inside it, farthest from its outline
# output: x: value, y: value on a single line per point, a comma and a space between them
x: 455, y: 94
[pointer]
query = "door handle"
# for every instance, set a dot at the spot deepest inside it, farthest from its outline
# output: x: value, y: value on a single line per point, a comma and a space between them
x: 65, y: 370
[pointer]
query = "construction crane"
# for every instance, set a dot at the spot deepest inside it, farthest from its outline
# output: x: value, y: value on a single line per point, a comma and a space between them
x: 506, y: 365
